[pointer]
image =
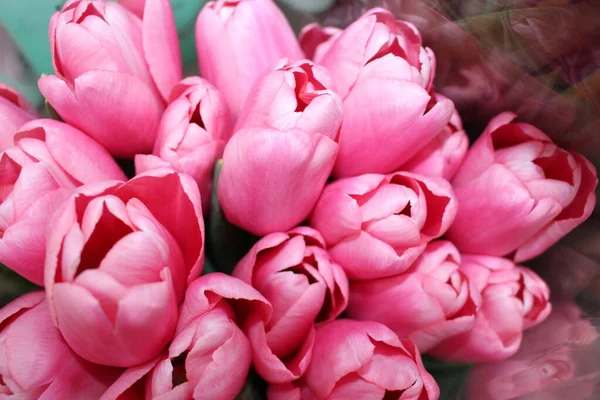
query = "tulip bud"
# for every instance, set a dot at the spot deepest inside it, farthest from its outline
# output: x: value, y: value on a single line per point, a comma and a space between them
x: 377, y: 225
x: 519, y: 193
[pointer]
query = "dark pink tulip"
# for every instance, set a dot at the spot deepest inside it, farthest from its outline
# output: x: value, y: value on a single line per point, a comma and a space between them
x: 297, y: 94
x: 118, y: 261
x: 14, y: 112
x: 209, y: 357
x: 384, y: 77
x: 518, y: 192
x: 238, y: 41
x: 35, y: 361
x: 430, y: 302
x: 294, y: 272
x: 114, y: 71
x: 513, y: 298
x: 192, y: 134
x: 48, y: 160
x: 443, y: 155
x: 360, y: 359
x: 377, y: 225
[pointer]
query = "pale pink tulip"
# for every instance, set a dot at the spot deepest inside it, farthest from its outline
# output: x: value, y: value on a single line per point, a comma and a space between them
x: 294, y: 272
x: 14, y: 112
x: 518, y: 192
x: 114, y: 71
x: 271, y: 179
x: 210, y: 356
x: 119, y: 258
x: 315, y: 40
x: 35, y: 361
x: 384, y: 76
x: 377, y: 225
x: 191, y: 135
x: 297, y: 94
x: 430, y: 302
x: 238, y: 41
x: 444, y: 154
x: 360, y: 359
x: 513, y: 298
x: 48, y: 160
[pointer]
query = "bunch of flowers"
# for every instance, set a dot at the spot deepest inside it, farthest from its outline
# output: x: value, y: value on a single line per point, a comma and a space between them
x: 379, y: 234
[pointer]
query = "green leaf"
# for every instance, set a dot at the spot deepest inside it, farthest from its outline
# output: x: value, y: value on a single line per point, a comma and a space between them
x: 226, y: 243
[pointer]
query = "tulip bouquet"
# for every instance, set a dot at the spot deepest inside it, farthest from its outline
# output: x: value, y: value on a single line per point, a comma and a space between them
x: 375, y: 233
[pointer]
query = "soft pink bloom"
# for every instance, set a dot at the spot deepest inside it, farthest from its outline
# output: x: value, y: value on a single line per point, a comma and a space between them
x: 518, y: 192
x: 546, y: 363
x: 238, y: 41
x: 135, y: 6
x: 14, y: 112
x: 297, y: 94
x: 443, y: 155
x: 360, y: 359
x: 384, y: 76
x: 48, y: 160
x: 377, y: 225
x: 295, y: 273
x: 119, y: 258
x: 35, y: 361
x: 513, y: 298
x: 430, y: 302
x: 315, y: 40
x: 114, y: 71
x: 271, y: 179
x: 192, y: 134
x: 210, y: 356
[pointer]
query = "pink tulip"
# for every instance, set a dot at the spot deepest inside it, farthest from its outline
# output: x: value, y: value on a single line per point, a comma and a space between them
x: 430, y: 302
x: 210, y: 356
x: 119, y: 258
x: 546, y: 363
x: 377, y: 225
x: 513, y: 298
x: 135, y: 6
x: 271, y: 179
x: 316, y: 40
x: 14, y: 112
x: 383, y: 75
x: 36, y: 363
x: 295, y: 95
x: 191, y: 135
x: 295, y: 273
x: 238, y: 41
x: 114, y: 71
x: 48, y: 160
x: 518, y: 192
x: 360, y: 359
x: 444, y: 154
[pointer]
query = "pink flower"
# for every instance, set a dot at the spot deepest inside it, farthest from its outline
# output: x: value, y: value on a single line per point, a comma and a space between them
x: 443, y: 155
x: 315, y: 40
x: 430, y: 302
x: 513, y: 298
x: 119, y: 258
x: 360, y: 359
x: 14, y: 112
x: 48, y: 160
x: 191, y: 135
x: 383, y: 75
x: 135, y: 6
x: 297, y: 94
x: 210, y: 356
x: 271, y: 179
x: 114, y: 71
x: 295, y: 273
x: 518, y: 192
x: 238, y: 41
x: 36, y: 363
x: 377, y: 225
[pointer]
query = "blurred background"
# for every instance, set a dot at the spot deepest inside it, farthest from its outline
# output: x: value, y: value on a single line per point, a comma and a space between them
x: 540, y: 58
